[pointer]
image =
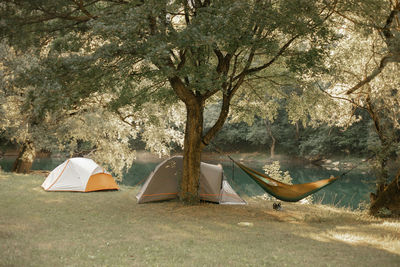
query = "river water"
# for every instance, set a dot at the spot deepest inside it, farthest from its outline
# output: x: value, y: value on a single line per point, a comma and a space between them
x: 349, y: 191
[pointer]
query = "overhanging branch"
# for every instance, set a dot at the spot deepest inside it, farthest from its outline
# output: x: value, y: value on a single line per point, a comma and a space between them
x: 266, y: 65
x: 384, y: 61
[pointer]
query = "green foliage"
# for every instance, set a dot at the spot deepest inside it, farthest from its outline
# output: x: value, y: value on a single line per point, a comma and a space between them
x: 274, y: 170
x: 134, y: 40
x: 323, y: 141
x: 271, y: 64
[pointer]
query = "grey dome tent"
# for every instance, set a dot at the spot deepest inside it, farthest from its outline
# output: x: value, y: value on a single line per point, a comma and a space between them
x: 163, y: 183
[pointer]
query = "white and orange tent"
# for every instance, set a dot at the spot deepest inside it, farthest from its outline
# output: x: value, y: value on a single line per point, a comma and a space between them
x: 79, y: 174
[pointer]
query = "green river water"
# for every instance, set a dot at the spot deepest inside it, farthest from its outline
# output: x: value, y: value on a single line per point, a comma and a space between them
x: 351, y: 190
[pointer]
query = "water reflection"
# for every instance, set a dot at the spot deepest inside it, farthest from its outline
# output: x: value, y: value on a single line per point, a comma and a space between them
x: 348, y: 191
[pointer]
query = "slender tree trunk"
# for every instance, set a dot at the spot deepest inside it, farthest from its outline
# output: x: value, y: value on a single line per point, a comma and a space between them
x: 269, y: 130
x: 192, y: 153
x: 26, y: 156
x: 297, y: 130
x: 272, y: 146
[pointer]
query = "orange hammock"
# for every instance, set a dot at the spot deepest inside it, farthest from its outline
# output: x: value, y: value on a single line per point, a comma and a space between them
x: 282, y: 191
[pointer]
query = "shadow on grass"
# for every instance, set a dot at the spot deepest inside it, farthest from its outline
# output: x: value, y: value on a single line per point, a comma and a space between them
x: 39, y: 228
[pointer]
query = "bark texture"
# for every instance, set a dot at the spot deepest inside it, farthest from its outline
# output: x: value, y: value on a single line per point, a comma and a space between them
x: 26, y: 156
x: 273, y: 143
x: 388, y: 200
x: 192, y: 154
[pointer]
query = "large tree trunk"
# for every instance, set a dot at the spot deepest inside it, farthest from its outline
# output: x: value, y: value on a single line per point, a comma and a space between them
x: 389, y: 199
x: 381, y: 171
x: 386, y: 134
x: 25, y: 158
x: 192, y: 153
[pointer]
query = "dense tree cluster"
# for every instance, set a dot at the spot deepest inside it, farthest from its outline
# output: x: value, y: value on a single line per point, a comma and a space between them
x: 173, y: 72
x: 283, y: 138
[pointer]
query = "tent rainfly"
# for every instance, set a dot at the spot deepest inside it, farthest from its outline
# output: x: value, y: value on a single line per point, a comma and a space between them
x: 79, y: 174
x: 163, y: 183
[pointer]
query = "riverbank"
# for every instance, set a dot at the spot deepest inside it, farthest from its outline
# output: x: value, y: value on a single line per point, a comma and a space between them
x: 334, y: 163
x: 39, y: 228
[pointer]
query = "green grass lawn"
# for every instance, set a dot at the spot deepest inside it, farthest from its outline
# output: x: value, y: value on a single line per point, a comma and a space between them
x: 39, y: 228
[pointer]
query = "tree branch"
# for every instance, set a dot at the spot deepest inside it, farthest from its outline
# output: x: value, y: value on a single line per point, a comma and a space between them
x: 186, y: 10
x: 49, y: 15
x: 288, y: 43
x: 181, y: 90
x: 340, y: 98
x: 280, y: 52
x: 384, y: 61
x: 124, y: 118
x: 209, y: 135
x: 82, y: 8
x: 386, y: 29
x: 392, y: 56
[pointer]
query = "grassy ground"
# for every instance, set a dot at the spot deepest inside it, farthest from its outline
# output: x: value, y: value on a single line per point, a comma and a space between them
x: 39, y: 228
